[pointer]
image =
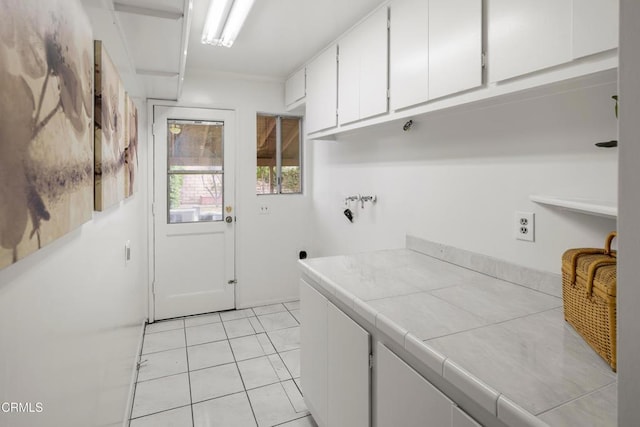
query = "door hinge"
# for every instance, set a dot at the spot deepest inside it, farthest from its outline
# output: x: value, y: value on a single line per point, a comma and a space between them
x: 388, y: 93
x: 388, y: 24
x: 371, y: 361
x: 153, y: 209
x: 232, y: 282
x: 484, y: 59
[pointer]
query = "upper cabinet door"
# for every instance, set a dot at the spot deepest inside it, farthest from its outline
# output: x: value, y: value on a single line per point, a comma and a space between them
x: 295, y: 87
x: 374, y: 64
x: 527, y: 36
x: 363, y: 69
x: 595, y: 26
x: 322, y: 91
x: 349, y: 49
x: 455, y: 46
x: 409, y: 53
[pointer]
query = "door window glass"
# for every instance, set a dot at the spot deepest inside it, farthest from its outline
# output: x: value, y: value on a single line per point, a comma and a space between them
x: 195, y: 171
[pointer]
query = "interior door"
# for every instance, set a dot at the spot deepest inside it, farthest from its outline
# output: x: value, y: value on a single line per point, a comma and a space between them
x: 194, y: 217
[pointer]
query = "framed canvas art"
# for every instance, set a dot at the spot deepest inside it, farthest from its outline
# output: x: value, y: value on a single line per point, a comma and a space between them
x: 131, y: 148
x: 110, y: 131
x: 46, y: 138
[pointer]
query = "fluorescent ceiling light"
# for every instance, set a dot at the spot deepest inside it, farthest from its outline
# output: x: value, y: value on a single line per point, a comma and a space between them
x: 224, y: 21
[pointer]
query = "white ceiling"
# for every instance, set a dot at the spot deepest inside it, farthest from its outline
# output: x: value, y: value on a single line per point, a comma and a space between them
x: 145, y: 38
x: 278, y: 36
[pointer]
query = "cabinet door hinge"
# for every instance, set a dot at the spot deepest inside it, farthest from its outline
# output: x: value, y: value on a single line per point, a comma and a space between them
x: 371, y: 361
x: 388, y: 24
x: 153, y: 209
x: 232, y: 282
x: 388, y: 94
x: 484, y: 59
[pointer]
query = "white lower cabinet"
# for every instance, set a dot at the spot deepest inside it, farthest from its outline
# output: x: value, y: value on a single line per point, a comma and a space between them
x: 335, y: 375
x: 460, y: 419
x: 334, y: 363
x: 348, y: 371
x: 405, y: 398
x: 313, y: 351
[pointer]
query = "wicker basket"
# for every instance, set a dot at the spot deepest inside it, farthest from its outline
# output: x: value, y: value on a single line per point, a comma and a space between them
x: 589, y: 296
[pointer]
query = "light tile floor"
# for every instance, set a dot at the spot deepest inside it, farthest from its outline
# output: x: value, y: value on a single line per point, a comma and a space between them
x: 234, y: 368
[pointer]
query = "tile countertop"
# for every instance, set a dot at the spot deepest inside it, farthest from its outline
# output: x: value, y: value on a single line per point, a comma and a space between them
x: 504, y: 345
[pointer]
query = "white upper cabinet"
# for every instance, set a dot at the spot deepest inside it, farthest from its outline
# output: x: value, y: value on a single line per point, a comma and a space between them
x: 455, y: 46
x: 409, y: 53
x: 374, y: 65
x: 435, y: 49
x: 527, y: 35
x: 349, y: 77
x: 295, y: 87
x: 595, y: 26
x: 363, y: 69
x: 322, y: 94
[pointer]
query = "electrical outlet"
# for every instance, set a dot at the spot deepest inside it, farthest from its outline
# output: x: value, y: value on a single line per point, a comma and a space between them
x: 525, y: 226
x: 264, y: 210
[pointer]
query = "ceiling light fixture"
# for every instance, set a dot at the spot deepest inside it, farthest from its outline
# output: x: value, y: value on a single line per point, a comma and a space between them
x: 224, y: 21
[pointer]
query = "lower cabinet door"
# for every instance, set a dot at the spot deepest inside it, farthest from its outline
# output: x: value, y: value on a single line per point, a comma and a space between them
x: 460, y: 419
x: 404, y: 397
x: 349, y: 377
x: 313, y: 351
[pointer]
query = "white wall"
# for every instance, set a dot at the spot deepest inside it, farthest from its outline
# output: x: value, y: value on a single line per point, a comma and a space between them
x: 267, y: 246
x: 628, y: 286
x: 459, y: 177
x: 72, y: 316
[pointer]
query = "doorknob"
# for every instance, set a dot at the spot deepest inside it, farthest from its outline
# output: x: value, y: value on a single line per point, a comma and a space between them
x: 229, y: 219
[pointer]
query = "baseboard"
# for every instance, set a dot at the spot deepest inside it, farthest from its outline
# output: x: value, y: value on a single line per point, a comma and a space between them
x: 134, y: 378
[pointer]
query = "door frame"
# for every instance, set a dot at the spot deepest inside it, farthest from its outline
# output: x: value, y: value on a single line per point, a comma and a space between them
x: 151, y: 176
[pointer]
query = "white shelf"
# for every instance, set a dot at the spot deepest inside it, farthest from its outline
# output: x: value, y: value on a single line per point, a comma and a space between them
x: 602, y: 208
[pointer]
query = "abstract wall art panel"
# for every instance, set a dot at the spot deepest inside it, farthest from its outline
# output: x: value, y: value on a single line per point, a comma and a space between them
x: 46, y: 137
x: 131, y: 149
x: 110, y: 131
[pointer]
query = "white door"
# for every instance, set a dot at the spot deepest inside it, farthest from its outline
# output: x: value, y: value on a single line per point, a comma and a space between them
x: 194, y: 213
